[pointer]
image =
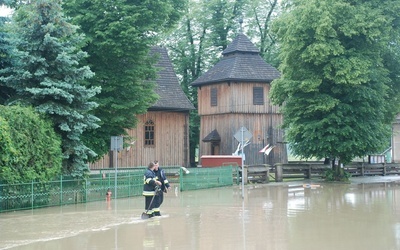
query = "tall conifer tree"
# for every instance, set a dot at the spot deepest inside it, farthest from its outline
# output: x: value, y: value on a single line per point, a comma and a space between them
x: 48, y: 75
x: 5, y: 60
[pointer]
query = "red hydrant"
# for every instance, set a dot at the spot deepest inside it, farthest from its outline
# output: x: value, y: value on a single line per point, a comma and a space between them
x: 108, y: 195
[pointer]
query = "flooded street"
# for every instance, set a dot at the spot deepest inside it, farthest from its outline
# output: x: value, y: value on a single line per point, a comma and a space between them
x: 270, y: 216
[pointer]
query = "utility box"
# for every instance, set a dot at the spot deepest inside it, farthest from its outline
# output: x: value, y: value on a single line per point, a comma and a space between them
x: 208, y: 161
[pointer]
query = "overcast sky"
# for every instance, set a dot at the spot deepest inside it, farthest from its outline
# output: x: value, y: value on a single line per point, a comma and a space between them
x: 4, y: 11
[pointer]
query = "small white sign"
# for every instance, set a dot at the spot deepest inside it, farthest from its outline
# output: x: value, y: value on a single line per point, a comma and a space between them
x: 117, y: 143
x: 243, y: 134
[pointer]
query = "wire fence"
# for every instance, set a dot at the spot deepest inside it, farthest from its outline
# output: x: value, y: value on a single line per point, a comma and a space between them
x: 202, y: 178
x: 124, y: 183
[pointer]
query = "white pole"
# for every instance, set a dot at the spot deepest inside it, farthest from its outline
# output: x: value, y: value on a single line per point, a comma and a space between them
x: 242, y: 152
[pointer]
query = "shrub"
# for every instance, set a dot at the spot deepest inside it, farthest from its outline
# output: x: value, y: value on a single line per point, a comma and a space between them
x: 32, y: 150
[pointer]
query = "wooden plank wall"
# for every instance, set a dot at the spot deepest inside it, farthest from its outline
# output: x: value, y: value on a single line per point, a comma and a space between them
x: 236, y: 109
x: 234, y: 98
x: 263, y: 127
x: 171, y: 143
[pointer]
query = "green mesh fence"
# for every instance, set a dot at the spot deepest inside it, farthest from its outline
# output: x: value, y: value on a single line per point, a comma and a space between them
x: 127, y: 184
x: 201, y: 178
x: 70, y: 191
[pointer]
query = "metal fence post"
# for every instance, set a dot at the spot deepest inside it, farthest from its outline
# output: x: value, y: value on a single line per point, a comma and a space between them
x: 129, y: 184
x: 61, y: 189
x: 86, y: 188
x: 109, y: 180
x: 180, y: 179
x: 32, y: 194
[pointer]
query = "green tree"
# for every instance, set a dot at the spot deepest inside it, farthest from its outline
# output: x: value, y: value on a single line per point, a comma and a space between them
x: 29, y: 147
x: 205, y: 30
x: 48, y: 75
x: 191, y: 51
x: 225, y: 15
x: 7, y: 151
x: 5, y: 60
x: 119, y: 35
x: 338, y: 79
x: 259, y: 15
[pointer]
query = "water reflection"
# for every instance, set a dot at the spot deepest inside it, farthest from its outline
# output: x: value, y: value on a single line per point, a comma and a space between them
x: 292, y: 216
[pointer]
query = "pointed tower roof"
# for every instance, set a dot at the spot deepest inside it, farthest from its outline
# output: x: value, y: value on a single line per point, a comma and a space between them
x: 241, y: 61
x: 241, y: 44
x: 168, y: 88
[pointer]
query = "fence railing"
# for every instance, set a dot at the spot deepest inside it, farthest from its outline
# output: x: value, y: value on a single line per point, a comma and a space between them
x: 94, y: 188
x: 201, y: 178
x: 68, y: 191
x: 314, y: 169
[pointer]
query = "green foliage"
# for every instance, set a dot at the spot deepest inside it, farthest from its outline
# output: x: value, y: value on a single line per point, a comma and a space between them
x: 29, y: 149
x: 338, y: 73
x: 119, y: 35
x: 258, y: 17
x: 189, y: 50
x: 5, y: 60
x: 332, y: 175
x: 8, y: 153
x: 224, y: 15
x: 204, y: 31
x: 47, y: 74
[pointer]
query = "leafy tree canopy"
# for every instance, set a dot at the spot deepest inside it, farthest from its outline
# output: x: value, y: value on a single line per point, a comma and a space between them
x: 339, y: 76
x: 206, y: 29
x: 119, y: 35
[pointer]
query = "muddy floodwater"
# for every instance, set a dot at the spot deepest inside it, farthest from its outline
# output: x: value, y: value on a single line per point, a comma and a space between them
x: 295, y: 215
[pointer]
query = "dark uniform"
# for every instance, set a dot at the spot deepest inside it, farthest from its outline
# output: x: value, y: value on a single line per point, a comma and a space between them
x: 149, y: 188
x: 164, y: 188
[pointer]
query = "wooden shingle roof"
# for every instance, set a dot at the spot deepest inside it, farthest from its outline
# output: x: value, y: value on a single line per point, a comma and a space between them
x: 171, y: 94
x: 241, y: 62
x: 212, y: 137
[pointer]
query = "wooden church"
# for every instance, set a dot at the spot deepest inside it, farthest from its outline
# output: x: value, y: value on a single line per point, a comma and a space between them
x: 163, y: 132
x: 234, y: 94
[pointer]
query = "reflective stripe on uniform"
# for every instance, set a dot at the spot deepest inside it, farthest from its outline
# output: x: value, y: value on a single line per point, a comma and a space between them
x: 149, y: 193
x: 147, y: 181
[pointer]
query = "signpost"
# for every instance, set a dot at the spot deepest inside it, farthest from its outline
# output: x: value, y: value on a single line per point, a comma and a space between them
x: 243, y: 135
x: 117, y: 143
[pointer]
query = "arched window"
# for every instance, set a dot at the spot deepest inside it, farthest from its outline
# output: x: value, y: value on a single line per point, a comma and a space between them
x: 149, y: 133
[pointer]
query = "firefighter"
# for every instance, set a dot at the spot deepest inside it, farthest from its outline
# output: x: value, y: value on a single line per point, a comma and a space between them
x: 149, y: 188
x: 165, y: 187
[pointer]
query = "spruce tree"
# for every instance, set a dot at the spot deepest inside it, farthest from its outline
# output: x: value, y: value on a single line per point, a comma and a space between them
x: 5, y: 59
x: 47, y: 74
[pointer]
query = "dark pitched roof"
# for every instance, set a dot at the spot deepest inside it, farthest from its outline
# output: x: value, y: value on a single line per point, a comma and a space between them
x: 241, y: 44
x: 171, y: 94
x: 212, y: 137
x: 241, y: 61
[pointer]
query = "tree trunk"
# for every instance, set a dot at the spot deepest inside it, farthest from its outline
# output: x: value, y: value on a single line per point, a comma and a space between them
x: 338, y: 173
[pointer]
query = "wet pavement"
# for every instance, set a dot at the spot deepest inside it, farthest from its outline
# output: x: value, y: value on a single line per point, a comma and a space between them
x: 292, y: 215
